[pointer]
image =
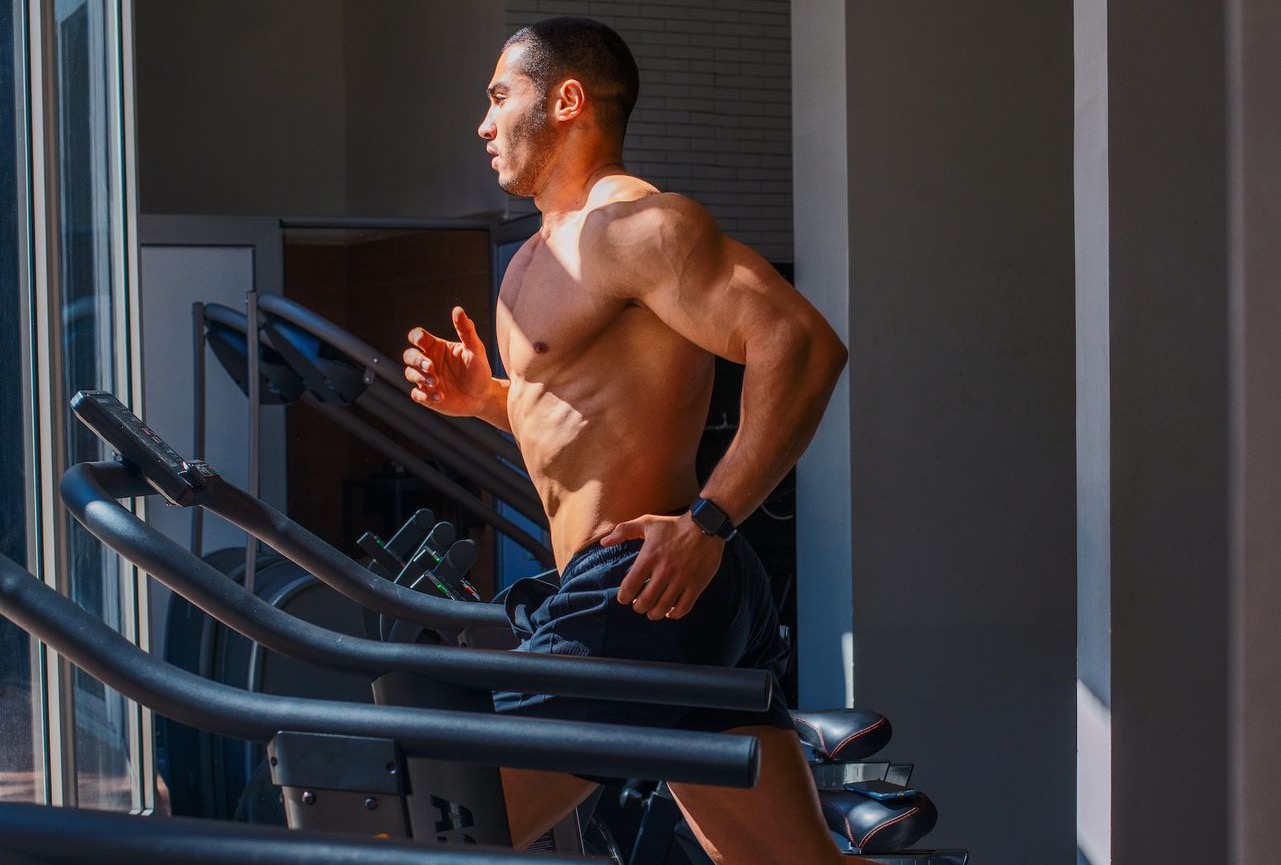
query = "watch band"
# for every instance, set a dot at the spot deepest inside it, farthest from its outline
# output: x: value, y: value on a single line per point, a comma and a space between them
x: 709, y: 517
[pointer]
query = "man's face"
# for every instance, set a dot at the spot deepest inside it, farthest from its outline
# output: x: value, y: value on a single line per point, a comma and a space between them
x: 517, y: 127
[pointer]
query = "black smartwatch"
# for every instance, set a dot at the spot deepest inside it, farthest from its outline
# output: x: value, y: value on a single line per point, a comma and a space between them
x: 708, y: 516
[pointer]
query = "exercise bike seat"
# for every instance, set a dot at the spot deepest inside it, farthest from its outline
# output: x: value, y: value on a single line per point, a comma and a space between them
x: 874, y: 825
x: 843, y: 735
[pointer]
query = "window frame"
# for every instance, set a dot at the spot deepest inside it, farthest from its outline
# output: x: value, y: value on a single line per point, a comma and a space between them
x: 112, y: 49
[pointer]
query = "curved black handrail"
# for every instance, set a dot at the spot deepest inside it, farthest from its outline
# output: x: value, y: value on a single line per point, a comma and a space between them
x: 528, y: 743
x: 90, y: 491
x: 45, y: 835
x: 417, y: 467
x: 376, y: 363
x: 508, y: 482
x: 295, y: 375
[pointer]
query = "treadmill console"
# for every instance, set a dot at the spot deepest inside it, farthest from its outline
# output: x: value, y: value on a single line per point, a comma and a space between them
x: 181, y: 482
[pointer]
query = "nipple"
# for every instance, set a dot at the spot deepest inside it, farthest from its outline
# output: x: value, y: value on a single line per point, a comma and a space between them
x: 540, y: 348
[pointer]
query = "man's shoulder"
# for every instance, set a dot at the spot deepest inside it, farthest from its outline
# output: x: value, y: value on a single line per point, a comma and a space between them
x: 630, y: 246
x: 638, y: 215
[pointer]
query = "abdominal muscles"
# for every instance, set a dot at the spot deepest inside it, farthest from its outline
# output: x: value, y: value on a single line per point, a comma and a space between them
x: 606, y: 446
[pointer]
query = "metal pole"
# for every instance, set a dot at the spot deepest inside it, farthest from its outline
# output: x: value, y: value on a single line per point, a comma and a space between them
x: 252, y: 350
x: 198, y: 420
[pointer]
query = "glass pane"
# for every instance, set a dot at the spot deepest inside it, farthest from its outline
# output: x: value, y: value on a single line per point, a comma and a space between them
x: 19, y: 770
x: 86, y: 144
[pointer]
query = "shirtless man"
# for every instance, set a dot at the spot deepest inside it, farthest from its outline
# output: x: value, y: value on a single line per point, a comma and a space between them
x: 607, y: 324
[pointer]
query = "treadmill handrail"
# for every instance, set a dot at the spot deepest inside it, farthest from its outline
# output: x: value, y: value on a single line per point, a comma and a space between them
x: 388, y: 404
x: 376, y: 362
x: 465, y: 737
x: 331, y: 567
x: 437, y: 481
x: 84, y: 490
x: 52, y: 835
x: 511, y: 484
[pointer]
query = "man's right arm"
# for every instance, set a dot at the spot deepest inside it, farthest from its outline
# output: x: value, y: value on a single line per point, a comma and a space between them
x: 455, y: 378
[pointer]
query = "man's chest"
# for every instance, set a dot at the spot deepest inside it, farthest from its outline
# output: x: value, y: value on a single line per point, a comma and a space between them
x: 548, y: 313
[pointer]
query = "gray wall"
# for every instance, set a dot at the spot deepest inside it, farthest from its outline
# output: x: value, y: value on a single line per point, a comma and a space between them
x: 962, y: 409
x: 1254, y: 220
x: 1183, y: 322
x: 240, y: 106
x: 315, y: 107
x: 415, y: 94
x: 1169, y: 426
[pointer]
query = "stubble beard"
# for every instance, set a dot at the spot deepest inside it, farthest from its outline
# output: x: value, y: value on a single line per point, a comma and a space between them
x: 532, y: 138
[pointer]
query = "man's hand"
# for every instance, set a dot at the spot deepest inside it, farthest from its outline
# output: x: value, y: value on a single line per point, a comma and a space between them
x: 673, y: 567
x: 453, y: 378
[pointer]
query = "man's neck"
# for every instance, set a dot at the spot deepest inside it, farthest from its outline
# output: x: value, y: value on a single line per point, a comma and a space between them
x: 568, y: 191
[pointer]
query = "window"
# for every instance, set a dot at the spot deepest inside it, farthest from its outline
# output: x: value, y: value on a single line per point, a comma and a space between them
x: 65, y: 316
x: 87, y: 146
x: 21, y: 763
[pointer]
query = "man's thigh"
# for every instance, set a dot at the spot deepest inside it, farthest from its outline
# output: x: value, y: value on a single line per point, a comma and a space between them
x: 537, y: 801
x: 777, y: 822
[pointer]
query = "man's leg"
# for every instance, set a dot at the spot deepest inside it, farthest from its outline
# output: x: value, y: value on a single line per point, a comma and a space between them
x: 537, y: 801
x: 777, y: 822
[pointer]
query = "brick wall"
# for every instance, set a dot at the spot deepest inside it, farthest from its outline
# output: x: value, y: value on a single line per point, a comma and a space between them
x: 714, y: 118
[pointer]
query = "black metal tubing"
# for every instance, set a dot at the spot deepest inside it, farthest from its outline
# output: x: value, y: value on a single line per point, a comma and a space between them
x: 45, y: 835
x: 378, y: 364
x: 85, y: 493
x: 527, y: 743
x: 471, y: 504
x: 512, y: 485
x: 330, y: 566
x: 389, y: 404
x: 327, y: 564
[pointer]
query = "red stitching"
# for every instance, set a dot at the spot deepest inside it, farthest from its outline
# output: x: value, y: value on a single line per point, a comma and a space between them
x: 821, y: 741
x: 886, y: 825
x: 849, y: 830
x: 854, y: 736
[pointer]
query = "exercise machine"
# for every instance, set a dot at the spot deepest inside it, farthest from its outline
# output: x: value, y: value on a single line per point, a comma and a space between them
x: 45, y: 835
x: 883, y: 819
x: 372, y: 770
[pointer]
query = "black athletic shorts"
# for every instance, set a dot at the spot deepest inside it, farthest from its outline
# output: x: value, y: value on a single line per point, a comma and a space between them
x: 733, y: 624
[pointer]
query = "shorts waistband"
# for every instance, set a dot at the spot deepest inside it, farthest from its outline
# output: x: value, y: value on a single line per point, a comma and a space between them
x: 595, y: 555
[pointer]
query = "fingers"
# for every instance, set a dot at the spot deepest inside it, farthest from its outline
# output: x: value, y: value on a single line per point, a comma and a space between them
x: 417, y: 361
x: 654, y: 596
x: 429, y: 398
x: 683, y: 605
x: 466, y: 329
x: 648, y: 587
x: 665, y: 597
x: 634, y: 583
x: 424, y: 340
x: 632, y: 530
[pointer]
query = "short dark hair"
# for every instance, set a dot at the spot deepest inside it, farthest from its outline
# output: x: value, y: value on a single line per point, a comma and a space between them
x: 569, y: 47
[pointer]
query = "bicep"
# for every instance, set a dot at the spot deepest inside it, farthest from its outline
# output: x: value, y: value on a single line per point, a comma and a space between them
x: 729, y: 300
x: 667, y: 253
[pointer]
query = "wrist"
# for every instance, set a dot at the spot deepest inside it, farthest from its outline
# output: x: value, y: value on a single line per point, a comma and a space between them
x: 711, y: 519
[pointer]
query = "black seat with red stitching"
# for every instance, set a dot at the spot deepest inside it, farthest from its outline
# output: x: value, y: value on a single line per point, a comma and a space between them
x: 843, y: 735
x: 868, y: 824
x: 875, y: 825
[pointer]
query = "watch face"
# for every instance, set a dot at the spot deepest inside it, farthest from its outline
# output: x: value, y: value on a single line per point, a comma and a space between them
x: 710, y: 518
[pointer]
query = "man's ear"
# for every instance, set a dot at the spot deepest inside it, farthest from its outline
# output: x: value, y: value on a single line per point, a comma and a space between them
x: 571, y: 100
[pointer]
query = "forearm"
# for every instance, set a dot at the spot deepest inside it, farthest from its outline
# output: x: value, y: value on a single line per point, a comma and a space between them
x: 787, y: 383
